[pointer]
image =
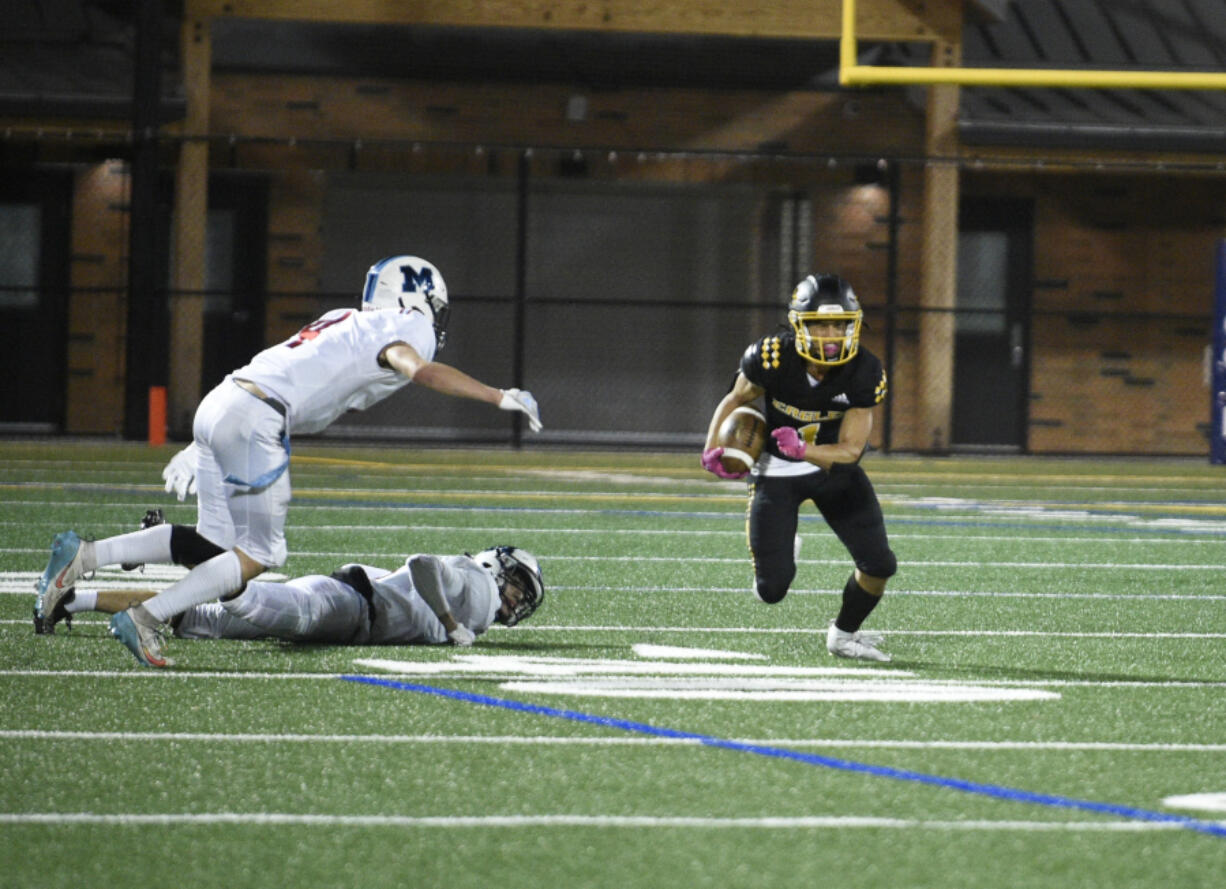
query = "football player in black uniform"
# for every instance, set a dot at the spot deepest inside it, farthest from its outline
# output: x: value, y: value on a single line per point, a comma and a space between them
x: 820, y: 389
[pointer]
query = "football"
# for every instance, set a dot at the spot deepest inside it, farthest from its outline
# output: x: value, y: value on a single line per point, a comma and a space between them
x: 741, y: 435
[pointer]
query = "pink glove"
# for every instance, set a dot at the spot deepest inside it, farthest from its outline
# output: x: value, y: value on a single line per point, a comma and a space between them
x: 710, y: 462
x: 788, y: 440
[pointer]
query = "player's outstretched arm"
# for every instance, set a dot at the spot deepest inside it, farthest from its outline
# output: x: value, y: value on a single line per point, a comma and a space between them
x: 450, y: 380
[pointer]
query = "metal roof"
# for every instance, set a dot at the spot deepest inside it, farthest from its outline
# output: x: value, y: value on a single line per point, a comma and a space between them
x: 1151, y: 35
x: 74, y: 58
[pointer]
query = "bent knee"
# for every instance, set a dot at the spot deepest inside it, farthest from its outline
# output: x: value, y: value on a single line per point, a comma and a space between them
x: 770, y: 593
x: 249, y: 567
x: 883, y: 566
x: 191, y: 548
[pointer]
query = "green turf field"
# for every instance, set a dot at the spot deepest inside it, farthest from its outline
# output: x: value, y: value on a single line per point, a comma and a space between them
x: 1059, y: 639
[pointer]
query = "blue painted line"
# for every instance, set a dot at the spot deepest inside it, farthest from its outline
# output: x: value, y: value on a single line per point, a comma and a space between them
x: 973, y: 787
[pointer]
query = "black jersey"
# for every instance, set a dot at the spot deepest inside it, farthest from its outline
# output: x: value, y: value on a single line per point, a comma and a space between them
x: 792, y: 399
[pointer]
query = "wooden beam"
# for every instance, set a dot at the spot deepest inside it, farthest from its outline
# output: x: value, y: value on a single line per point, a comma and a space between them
x: 910, y: 20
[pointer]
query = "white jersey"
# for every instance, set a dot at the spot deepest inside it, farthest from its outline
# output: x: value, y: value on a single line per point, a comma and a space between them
x: 332, y: 365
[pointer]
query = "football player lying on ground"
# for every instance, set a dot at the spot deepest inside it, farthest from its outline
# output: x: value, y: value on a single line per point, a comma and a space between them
x: 430, y: 600
x: 239, y: 460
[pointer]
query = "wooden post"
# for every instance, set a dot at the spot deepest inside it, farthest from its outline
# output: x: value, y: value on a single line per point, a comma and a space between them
x: 939, y: 260
x: 190, y: 228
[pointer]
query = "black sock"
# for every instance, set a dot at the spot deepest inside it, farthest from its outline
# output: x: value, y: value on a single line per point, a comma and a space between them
x: 858, y: 603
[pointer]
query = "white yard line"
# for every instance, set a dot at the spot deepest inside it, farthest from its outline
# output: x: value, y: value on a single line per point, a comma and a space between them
x: 737, y: 533
x: 769, y: 631
x: 615, y: 741
x: 172, y: 674
x: 650, y: 822
x: 912, y: 564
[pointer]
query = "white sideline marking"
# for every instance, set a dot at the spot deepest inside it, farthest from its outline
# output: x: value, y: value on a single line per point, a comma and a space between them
x: 610, y: 678
x: 608, y: 741
x: 811, y: 822
x: 668, y: 651
x: 780, y: 690
x: 1204, y: 802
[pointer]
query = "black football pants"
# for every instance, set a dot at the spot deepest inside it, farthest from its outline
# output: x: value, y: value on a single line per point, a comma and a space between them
x: 847, y: 502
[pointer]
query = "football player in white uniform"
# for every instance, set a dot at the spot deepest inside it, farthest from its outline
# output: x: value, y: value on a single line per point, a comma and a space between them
x: 429, y: 600
x: 238, y: 462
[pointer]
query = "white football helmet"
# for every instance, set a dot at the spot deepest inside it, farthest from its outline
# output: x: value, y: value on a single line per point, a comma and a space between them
x: 512, y: 563
x: 408, y: 282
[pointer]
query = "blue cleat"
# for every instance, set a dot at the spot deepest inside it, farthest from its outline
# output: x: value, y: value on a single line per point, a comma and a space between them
x: 62, y: 573
x: 142, y: 636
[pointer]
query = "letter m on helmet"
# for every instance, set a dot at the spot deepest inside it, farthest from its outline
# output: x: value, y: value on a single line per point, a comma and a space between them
x: 414, y: 278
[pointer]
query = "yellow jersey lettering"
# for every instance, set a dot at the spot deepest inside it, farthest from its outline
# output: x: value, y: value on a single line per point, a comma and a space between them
x: 796, y: 413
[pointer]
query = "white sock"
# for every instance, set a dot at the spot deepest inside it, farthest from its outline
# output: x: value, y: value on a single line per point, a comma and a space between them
x: 219, y: 576
x: 142, y: 547
x: 82, y: 600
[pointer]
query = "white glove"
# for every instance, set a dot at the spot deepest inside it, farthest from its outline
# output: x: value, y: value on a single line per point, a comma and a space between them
x: 462, y: 636
x: 180, y: 472
x: 522, y: 400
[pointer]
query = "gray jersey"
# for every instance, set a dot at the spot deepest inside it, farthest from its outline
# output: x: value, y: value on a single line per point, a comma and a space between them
x: 323, y: 608
x: 402, y: 616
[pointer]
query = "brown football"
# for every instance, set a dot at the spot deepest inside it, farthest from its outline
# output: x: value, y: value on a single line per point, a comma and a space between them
x: 741, y: 435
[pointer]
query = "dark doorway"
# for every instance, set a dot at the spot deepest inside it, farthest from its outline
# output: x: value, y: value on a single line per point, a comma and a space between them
x: 992, y: 330
x: 235, y: 276
x: 35, y: 208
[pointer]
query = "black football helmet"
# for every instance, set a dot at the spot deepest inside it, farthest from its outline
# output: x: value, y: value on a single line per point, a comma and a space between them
x: 510, y: 563
x: 826, y: 298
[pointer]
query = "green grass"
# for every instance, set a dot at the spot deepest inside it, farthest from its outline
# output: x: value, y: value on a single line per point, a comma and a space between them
x: 252, y: 764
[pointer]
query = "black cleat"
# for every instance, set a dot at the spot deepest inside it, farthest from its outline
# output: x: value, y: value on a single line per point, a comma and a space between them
x: 153, y: 517
x: 45, y: 626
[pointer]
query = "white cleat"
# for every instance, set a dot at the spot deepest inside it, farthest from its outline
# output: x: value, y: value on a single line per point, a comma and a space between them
x: 858, y: 646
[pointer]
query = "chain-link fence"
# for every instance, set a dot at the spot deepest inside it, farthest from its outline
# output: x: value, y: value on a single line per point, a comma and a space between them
x: 621, y: 287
